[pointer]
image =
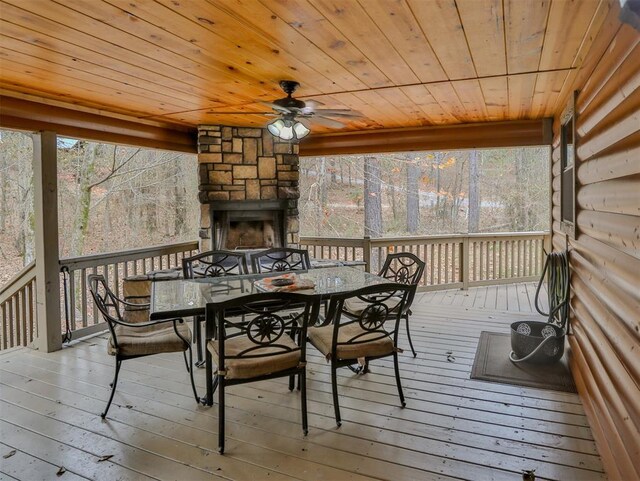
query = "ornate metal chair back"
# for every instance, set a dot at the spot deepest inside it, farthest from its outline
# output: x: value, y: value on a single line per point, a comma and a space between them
x: 215, y: 263
x: 280, y: 259
x: 378, y: 316
x: 404, y: 268
x: 264, y: 323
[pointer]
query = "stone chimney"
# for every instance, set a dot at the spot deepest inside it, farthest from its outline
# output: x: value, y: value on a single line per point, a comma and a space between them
x: 242, y: 164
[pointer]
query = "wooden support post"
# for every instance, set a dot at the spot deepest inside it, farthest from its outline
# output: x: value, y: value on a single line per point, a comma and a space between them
x: 366, y: 253
x: 45, y: 184
x: 464, y: 262
x: 547, y: 246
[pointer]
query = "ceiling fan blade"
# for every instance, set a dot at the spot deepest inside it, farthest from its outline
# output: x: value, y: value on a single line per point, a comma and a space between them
x: 327, y: 122
x: 339, y: 112
x: 313, y: 103
x: 240, y: 113
x: 276, y: 107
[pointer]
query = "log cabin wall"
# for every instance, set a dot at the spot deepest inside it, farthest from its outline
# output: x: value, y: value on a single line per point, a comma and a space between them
x: 604, y: 256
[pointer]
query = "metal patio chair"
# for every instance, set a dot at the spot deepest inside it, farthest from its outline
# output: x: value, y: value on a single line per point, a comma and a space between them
x: 257, y: 338
x: 216, y: 263
x: 136, y: 338
x: 370, y: 334
x: 405, y: 268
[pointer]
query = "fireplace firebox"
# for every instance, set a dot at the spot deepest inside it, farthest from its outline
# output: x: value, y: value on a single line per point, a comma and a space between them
x: 248, y: 224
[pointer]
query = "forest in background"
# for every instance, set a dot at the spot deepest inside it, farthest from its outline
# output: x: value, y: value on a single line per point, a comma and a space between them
x: 114, y: 198
x: 425, y: 193
x: 110, y: 198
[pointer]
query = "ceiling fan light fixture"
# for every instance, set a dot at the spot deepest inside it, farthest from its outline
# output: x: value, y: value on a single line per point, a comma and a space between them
x: 300, y: 130
x: 275, y: 127
x: 286, y: 129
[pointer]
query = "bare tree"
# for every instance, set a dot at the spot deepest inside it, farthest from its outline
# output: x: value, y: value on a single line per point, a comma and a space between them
x: 4, y: 186
x: 413, y: 196
x: 372, y: 197
x: 474, y: 192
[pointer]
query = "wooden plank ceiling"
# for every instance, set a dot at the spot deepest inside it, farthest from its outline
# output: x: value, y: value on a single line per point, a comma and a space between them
x: 401, y: 63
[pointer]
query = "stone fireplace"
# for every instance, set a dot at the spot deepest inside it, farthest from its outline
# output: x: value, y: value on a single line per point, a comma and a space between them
x: 248, y: 189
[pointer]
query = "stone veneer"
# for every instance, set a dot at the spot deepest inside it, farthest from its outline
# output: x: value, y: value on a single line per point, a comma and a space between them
x: 242, y: 163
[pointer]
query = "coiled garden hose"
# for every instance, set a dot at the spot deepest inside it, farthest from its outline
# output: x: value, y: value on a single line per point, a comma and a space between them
x: 556, y: 268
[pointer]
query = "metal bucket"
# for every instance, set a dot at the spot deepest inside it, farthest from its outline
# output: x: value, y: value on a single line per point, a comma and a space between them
x: 536, y: 342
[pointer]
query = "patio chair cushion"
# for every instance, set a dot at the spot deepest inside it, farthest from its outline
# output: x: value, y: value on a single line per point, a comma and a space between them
x: 254, y: 367
x: 137, y: 314
x: 136, y: 290
x: 355, y: 306
x: 141, y: 341
x: 321, y: 338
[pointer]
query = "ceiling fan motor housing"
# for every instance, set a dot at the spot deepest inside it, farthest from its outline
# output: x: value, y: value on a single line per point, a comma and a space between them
x: 289, y: 86
x: 290, y: 103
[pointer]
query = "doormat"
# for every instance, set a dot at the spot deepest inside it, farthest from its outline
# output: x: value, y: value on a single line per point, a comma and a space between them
x: 492, y: 364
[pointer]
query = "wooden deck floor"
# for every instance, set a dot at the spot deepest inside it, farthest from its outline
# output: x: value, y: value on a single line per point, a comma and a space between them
x: 452, y: 427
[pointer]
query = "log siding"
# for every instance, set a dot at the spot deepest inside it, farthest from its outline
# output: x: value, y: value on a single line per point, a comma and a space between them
x: 605, y: 254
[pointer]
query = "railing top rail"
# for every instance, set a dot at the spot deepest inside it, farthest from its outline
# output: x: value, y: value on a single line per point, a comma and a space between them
x: 74, y: 263
x: 17, y: 282
x: 310, y: 240
x: 337, y: 241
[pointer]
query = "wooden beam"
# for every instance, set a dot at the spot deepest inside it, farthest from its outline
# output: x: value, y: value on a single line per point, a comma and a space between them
x: 462, y: 136
x: 45, y: 199
x: 27, y: 115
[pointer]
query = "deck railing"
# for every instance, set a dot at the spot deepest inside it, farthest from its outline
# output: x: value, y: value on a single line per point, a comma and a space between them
x: 115, y: 266
x: 18, y: 297
x: 452, y: 261
x: 18, y: 307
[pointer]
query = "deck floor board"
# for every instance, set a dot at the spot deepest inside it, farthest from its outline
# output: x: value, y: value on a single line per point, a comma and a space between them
x: 452, y: 428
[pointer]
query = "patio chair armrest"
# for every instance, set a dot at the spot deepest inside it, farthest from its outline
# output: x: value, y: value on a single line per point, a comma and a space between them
x: 142, y: 305
x: 149, y: 323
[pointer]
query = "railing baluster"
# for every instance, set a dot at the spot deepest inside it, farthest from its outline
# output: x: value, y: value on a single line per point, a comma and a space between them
x: 72, y: 299
x: 481, y: 260
x: 436, y: 262
x: 83, y: 286
x: 30, y: 286
x: 472, y: 260
x: 493, y: 260
x: 504, y: 272
x: 506, y: 259
x: 116, y: 277
x: 11, y: 322
x: 19, y: 312
x: 512, y: 259
x: 431, y: 262
x: 477, y: 259
x: 5, y: 324
x: 446, y: 263
x: 486, y: 261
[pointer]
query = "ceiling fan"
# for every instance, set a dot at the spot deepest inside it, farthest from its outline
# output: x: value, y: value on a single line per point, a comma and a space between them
x: 290, y: 111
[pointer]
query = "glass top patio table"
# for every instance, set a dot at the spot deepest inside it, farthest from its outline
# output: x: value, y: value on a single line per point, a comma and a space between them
x: 189, y: 297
